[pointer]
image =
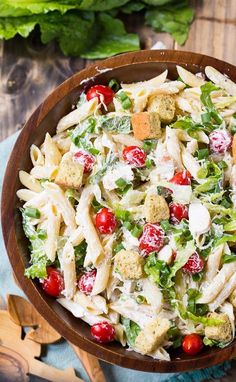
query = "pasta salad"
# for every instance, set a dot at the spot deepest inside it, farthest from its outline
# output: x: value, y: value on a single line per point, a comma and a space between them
x: 130, y: 212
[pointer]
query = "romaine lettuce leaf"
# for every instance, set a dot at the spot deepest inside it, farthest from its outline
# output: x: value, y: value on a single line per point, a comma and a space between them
x: 38, y: 257
x: 112, y: 39
x: 16, y: 8
x: 174, y: 18
x: 207, y: 321
x: 131, y: 330
x: 209, y: 342
x: 205, y: 97
x: 118, y: 124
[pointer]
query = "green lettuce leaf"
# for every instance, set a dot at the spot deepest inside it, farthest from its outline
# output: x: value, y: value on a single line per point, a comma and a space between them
x: 38, y: 257
x: 205, y: 97
x: 209, y: 342
x: 16, y: 8
x: 131, y: 330
x: 118, y: 124
x: 82, y: 34
x: 112, y: 39
x: 174, y: 19
x: 207, y: 321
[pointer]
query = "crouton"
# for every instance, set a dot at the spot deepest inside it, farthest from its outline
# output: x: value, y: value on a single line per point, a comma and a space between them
x: 152, y: 336
x: 164, y: 105
x: 70, y: 173
x: 222, y: 332
x: 146, y: 125
x: 129, y: 264
x: 232, y: 298
x: 156, y: 209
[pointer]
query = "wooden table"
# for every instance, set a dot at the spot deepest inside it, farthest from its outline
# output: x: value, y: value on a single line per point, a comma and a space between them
x: 29, y: 71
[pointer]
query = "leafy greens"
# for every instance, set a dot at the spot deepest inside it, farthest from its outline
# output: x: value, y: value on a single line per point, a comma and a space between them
x: 88, y: 28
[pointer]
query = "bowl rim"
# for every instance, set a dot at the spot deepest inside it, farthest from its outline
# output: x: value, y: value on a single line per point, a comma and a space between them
x: 142, y: 363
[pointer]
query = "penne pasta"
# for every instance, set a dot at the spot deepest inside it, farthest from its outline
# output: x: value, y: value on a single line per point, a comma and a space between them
x: 129, y: 210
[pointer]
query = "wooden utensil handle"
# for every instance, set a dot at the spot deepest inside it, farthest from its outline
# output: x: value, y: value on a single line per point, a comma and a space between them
x: 91, y: 365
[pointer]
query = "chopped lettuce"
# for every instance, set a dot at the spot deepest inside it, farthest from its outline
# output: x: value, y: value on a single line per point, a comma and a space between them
x: 207, y: 321
x: 38, y: 259
x: 162, y: 274
x: 118, y: 124
x: 157, y: 270
x: 192, y: 307
x: 80, y: 253
x: 131, y: 330
x: 182, y: 258
x: 110, y: 160
x: 191, y: 127
x: 80, y: 136
x: 205, y: 97
x: 209, y: 342
x: 213, y: 175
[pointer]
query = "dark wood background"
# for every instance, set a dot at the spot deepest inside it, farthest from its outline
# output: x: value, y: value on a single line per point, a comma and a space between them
x: 29, y: 70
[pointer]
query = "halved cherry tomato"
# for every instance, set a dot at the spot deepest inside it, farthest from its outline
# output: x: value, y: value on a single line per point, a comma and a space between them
x: 103, y: 93
x: 152, y: 238
x: 192, y: 344
x: 86, y: 282
x: 54, y: 283
x: 105, y: 221
x: 103, y: 332
x: 182, y: 178
x: 135, y: 156
x: 86, y: 159
x: 220, y: 141
x: 178, y: 212
x: 194, y: 264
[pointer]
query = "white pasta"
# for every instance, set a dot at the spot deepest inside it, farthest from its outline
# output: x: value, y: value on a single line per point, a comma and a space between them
x: 131, y: 207
x: 36, y: 156
x: 29, y: 182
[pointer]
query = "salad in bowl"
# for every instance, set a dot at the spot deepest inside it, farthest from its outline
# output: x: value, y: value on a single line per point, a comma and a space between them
x: 130, y: 212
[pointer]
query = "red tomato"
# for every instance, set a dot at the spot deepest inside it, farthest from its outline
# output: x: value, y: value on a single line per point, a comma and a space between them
x: 192, y: 344
x: 86, y: 282
x: 194, y: 264
x: 54, y: 283
x: 178, y: 212
x: 182, y: 178
x: 103, y: 93
x: 105, y: 221
x: 86, y: 159
x: 103, y: 332
x: 220, y: 141
x: 152, y: 238
x: 134, y: 155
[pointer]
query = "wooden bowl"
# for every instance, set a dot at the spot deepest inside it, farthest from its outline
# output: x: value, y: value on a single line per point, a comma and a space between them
x: 129, y: 67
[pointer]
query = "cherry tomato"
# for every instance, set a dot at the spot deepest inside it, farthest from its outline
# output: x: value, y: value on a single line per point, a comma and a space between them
x: 105, y: 221
x: 86, y: 159
x: 86, y: 282
x: 194, y: 264
x: 220, y: 141
x: 192, y: 344
x: 152, y: 238
x: 103, y: 93
x: 182, y: 178
x: 54, y: 283
x: 103, y: 332
x: 174, y: 254
x: 178, y: 212
x: 134, y: 155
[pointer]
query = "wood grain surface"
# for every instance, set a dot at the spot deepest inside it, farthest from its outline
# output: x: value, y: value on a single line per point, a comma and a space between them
x: 133, y: 67
x: 30, y: 70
